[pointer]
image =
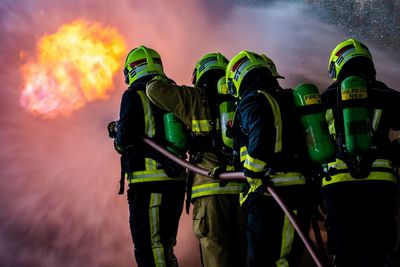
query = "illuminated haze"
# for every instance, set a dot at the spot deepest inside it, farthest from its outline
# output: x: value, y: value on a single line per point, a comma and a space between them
x: 58, y: 198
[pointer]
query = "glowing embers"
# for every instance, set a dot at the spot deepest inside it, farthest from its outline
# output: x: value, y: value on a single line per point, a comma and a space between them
x: 73, y: 66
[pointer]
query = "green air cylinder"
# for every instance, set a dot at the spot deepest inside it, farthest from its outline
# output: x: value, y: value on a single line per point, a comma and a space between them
x: 226, y: 111
x: 175, y: 134
x: 356, y: 122
x: 321, y: 148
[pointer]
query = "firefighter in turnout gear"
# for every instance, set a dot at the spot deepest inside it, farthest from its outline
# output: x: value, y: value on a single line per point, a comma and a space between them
x: 217, y: 217
x: 156, y: 185
x: 359, y: 186
x: 272, y: 153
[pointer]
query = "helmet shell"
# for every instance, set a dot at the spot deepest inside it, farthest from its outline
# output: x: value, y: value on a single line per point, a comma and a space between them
x: 221, y: 85
x: 239, y: 66
x: 272, y: 67
x: 343, y: 52
x: 140, y: 62
x: 210, y: 61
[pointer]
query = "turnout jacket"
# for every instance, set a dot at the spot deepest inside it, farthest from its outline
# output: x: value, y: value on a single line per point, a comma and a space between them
x: 190, y: 105
x: 384, y: 109
x: 273, y: 141
x: 139, y: 118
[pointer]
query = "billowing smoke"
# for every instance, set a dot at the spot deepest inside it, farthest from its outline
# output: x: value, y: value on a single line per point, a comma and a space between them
x: 58, y: 197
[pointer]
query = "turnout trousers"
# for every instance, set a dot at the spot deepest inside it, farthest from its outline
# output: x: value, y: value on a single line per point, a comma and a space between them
x: 154, y: 219
x: 272, y: 240
x: 219, y: 225
x: 360, y: 222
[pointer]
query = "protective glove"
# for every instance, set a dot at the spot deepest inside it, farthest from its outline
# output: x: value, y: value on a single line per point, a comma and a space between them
x: 111, y: 129
x: 172, y: 169
x: 217, y: 170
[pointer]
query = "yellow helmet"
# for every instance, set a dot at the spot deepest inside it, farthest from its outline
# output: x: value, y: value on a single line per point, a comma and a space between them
x: 272, y: 66
x: 140, y: 62
x: 210, y: 61
x: 239, y: 67
x: 345, y: 51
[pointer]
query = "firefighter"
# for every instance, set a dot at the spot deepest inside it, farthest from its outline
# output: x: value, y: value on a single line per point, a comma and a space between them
x: 156, y: 186
x: 218, y: 223
x: 272, y: 153
x: 359, y: 187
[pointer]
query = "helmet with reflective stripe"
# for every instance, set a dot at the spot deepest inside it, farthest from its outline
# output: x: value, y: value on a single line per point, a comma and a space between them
x: 239, y: 66
x: 345, y: 51
x: 210, y: 61
x: 140, y: 62
x: 272, y: 67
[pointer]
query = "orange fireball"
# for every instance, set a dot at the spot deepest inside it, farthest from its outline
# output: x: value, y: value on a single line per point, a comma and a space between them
x: 74, y: 66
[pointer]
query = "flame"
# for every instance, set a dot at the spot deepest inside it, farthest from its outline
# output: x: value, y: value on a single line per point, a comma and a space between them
x: 74, y: 66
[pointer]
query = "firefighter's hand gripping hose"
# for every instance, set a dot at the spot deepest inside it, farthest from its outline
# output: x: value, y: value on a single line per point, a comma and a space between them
x: 111, y: 129
x: 237, y: 176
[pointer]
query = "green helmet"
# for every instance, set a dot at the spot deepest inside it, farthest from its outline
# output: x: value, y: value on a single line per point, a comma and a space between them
x: 210, y: 61
x: 345, y: 51
x: 272, y: 67
x: 239, y: 66
x: 140, y: 62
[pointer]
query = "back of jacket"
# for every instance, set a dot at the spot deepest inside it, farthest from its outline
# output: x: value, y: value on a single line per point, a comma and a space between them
x: 384, y: 110
x: 140, y: 118
x: 190, y: 105
x: 376, y: 165
x: 272, y: 132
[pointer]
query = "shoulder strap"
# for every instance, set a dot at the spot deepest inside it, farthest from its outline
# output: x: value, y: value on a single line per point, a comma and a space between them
x: 149, y: 122
x: 277, y: 119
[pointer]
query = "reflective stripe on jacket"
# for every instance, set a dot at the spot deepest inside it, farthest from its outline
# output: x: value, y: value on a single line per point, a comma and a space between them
x: 243, y: 153
x: 148, y: 176
x: 214, y: 188
x: 201, y: 126
x: 381, y: 170
x: 277, y: 120
x: 277, y: 179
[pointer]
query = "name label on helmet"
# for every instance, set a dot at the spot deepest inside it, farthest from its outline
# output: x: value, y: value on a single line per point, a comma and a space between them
x: 354, y: 93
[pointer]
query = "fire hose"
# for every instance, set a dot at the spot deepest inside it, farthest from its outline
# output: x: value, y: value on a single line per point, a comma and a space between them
x: 237, y: 176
